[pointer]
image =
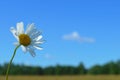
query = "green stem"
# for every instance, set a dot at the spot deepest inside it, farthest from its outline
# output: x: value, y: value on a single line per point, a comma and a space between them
x: 11, y: 62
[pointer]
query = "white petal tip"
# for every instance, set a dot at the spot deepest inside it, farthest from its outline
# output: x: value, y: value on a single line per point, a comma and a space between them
x: 24, y: 49
x: 16, y: 43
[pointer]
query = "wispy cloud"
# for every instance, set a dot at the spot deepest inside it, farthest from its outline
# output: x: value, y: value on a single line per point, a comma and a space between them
x: 74, y: 36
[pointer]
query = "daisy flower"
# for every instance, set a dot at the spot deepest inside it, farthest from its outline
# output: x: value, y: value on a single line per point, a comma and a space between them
x: 29, y: 40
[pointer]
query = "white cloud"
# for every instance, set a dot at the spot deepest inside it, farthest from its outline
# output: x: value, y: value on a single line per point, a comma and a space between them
x: 74, y: 36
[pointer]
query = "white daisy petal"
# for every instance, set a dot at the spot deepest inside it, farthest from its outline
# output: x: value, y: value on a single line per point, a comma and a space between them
x: 32, y: 52
x: 30, y: 28
x: 38, y: 38
x: 24, y: 49
x: 35, y: 35
x: 37, y: 42
x: 37, y: 47
x: 20, y: 28
x: 16, y: 43
x: 14, y: 32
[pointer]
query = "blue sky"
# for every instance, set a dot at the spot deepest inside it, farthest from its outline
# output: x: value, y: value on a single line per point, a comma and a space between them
x: 75, y: 31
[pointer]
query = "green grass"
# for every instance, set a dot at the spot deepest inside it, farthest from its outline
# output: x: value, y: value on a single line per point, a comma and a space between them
x: 87, y: 77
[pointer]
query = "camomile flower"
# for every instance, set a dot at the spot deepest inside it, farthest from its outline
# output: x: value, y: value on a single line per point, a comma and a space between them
x: 29, y: 40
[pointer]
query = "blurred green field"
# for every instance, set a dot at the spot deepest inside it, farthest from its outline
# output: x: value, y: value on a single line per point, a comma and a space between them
x: 87, y: 77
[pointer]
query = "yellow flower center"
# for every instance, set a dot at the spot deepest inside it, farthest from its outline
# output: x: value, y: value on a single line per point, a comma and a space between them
x: 24, y: 39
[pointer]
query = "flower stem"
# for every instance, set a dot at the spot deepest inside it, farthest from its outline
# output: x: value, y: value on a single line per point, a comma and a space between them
x: 7, y: 72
